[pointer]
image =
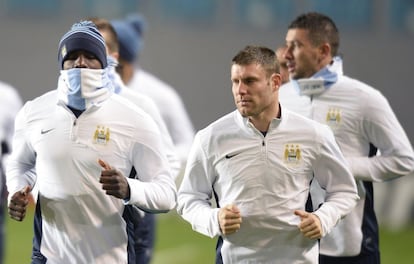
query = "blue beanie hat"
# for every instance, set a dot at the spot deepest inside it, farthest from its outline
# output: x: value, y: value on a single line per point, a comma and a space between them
x: 129, y: 32
x: 83, y: 36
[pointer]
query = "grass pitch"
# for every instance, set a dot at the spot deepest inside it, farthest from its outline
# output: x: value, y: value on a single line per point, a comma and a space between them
x: 177, y: 244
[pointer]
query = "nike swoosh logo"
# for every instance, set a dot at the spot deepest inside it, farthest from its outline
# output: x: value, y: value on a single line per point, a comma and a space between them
x: 46, y: 131
x: 231, y: 156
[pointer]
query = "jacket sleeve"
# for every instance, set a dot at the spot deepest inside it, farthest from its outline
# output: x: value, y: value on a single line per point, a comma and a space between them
x: 195, y: 193
x: 169, y: 147
x: 383, y: 130
x: 155, y: 191
x: 20, y: 164
x: 333, y: 174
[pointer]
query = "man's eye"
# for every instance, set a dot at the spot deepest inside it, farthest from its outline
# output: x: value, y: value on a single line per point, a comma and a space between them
x: 71, y: 57
x: 249, y: 81
x: 90, y: 56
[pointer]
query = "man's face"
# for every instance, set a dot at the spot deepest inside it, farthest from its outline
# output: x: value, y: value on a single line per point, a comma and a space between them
x: 81, y: 59
x: 303, y: 59
x: 253, y: 90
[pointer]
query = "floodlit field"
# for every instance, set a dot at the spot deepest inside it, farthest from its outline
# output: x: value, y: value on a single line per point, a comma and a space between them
x: 177, y: 243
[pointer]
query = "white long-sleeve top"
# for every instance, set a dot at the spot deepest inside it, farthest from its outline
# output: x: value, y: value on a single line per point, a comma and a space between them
x: 268, y: 178
x: 359, y: 116
x: 10, y: 104
x: 171, y: 107
x: 148, y: 105
x: 80, y: 223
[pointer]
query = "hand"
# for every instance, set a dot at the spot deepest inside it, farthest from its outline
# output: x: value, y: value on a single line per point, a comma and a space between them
x: 18, y: 204
x: 310, y: 224
x: 113, y: 182
x: 229, y: 219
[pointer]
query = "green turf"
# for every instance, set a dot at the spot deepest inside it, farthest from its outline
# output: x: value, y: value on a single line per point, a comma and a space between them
x: 177, y: 243
x: 19, y: 239
x: 397, y: 246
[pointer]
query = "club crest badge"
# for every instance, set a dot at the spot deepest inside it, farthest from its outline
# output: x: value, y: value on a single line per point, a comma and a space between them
x: 101, y: 135
x: 63, y: 51
x: 292, y: 154
x: 334, y: 117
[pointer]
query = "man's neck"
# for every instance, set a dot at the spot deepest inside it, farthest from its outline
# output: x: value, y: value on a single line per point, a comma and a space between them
x: 262, y: 121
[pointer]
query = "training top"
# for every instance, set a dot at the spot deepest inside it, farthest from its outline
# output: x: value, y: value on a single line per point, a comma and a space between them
x: 267, y: 178
x: 362, y: 121
x: 80, y: 223
x: 10, y: 104
x: 171, y: 107
x: 148, y: 105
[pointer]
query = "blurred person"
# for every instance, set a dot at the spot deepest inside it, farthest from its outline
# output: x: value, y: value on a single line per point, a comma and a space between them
x: 363, y: 124
x: 130, y: 36
x: 144, y: 228
x: 284, y: 73
x: 81, y: 139
x: 10, y: 104
x: 258, y: 161
x: 387, y: 196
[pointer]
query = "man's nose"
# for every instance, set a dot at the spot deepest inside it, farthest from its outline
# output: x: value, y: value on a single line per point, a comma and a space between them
x: 287, y: 53
x: 80, y: 62
x: 241, y: 88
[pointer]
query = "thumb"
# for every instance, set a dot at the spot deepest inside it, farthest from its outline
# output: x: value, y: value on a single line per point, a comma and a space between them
x: 233, y: 208
x: 26, y: 190
x: 104, y: 164
x: 302, y: 214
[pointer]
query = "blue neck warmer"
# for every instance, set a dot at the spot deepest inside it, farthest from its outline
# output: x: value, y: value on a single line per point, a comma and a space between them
x: 81, y: 88
x: 112, y: 75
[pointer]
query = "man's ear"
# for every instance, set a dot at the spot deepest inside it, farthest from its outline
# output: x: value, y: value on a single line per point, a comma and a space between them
x: 324, y: 51
x: 276, y: 80
x: 115, y: 55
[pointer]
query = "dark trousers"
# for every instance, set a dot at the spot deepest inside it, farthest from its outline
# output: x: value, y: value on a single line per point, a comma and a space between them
x: 144, y: 239
x: 373, y: 258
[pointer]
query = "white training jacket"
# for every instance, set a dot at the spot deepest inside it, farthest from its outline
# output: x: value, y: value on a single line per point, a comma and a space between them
x: 359, y: 116
x: 10, y: 104
x: 80, y: 223
x: 148, y: 105
x: 268, y: 178
x: 171, y: 107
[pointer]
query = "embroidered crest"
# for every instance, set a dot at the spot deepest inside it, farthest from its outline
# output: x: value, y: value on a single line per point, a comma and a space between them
x: 101, y: 135
x: 292, y: 154
x: 333, y: 117
x: 63, y: 51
